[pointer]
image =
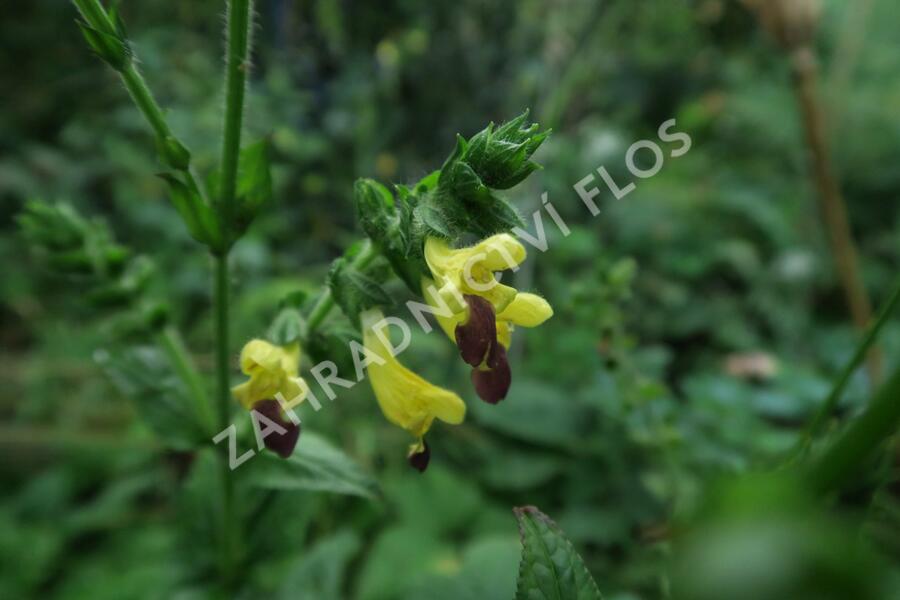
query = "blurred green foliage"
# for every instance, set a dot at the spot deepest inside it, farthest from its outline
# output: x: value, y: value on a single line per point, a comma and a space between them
x: 698, y: 321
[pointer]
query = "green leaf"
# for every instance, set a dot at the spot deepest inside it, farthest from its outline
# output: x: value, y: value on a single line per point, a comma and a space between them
x: 487, y: 570
x: 143, y: 374
x: 130, y: 283
x: 354, y: 291
x: 173, y: 153
x: 333, y: 345
x: 401, y: 557
x: 114, y: 50
x: 434, y: 220
x: 320, y: 571
x: 72, y: 244
x: 199, y: 218
x: 315, y: 465
x: 254, y: 181
x: 550, y: 569
x: 287, y: 327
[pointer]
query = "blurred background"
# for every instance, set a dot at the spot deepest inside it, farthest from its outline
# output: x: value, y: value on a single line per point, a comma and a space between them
x: 699, y: 322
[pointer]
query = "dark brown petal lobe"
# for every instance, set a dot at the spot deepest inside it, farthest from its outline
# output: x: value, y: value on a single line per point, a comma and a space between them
x: 475, y: 337
x: 281, y: 444
x: 492, y: 380
x: 419, y: 460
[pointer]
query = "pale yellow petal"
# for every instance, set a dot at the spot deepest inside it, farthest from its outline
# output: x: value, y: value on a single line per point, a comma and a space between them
x: 499, y: 295
x: 438, y: 255
x: 527, y: 310
x: 500, y: 252
x: 504, y: 333
x: 405, y: 398
x: 447, y: 324
x: 259, y: 354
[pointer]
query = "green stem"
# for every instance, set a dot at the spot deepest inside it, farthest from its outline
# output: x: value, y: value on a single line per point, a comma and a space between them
x: 860, y: 440
x: 227, y: 526
x: 173, y: 345
x: 144, y: 100
x: 97, y: 17
x: 325, y: 303
x: 828, y: 406
x: 236, y: 67
x: 238, y: 31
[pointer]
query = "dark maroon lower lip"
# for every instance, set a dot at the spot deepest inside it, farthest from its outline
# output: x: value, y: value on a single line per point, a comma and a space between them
x: 478, y: 333
x: 281, y: 444
x: 493, y: 380
x: 419, y: 460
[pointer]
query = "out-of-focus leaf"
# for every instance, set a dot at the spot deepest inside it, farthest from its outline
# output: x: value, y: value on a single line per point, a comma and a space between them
x: 531, y: 412
x: 551, y: 569
x: 315, y: 465
x: 287, y: 327
x: 143, y: 374
x: 319, y: 573
x: 399, y: 559
x: 488, y: 571
x: 440, y: 502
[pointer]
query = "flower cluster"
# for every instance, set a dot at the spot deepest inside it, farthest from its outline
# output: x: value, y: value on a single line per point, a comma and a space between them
x: 415, y: 235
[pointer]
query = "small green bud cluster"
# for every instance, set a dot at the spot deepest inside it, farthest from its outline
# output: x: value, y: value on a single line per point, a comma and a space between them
x: 84, y: 251
x: 105, y: 34
x: 456, y: 201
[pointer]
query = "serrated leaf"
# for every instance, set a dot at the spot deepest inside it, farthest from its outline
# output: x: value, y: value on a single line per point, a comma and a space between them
x: 315, y: 465
x: 496, y: 217
x: 355, y: 291
x: 143, y: 375
x: 434, y: 220
x: 550, y: 569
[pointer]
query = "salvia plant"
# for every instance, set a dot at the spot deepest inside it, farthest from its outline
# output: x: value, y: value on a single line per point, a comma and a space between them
x: 448, y: 239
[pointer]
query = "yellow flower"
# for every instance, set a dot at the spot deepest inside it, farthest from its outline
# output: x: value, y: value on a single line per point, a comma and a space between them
x: 406, y: 399
x: 484, y: 311
x: 272, y: 370
x: 526, y: 310
x: 470, y: 271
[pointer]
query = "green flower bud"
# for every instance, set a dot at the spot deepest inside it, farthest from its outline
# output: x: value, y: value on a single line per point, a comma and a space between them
x: 174, y: 154
x: 110, y: 47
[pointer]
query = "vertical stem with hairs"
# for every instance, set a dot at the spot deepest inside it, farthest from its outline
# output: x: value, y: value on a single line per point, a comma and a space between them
x: 236, y: 67
x: 833, y: 207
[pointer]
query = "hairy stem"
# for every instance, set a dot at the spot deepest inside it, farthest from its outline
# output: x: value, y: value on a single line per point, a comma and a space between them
x: 325, y: 302
x: 238, y: 31
x: 228, y: 525
x: 96, y: 16
x: 236, y: 67
x: 833, y: 207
